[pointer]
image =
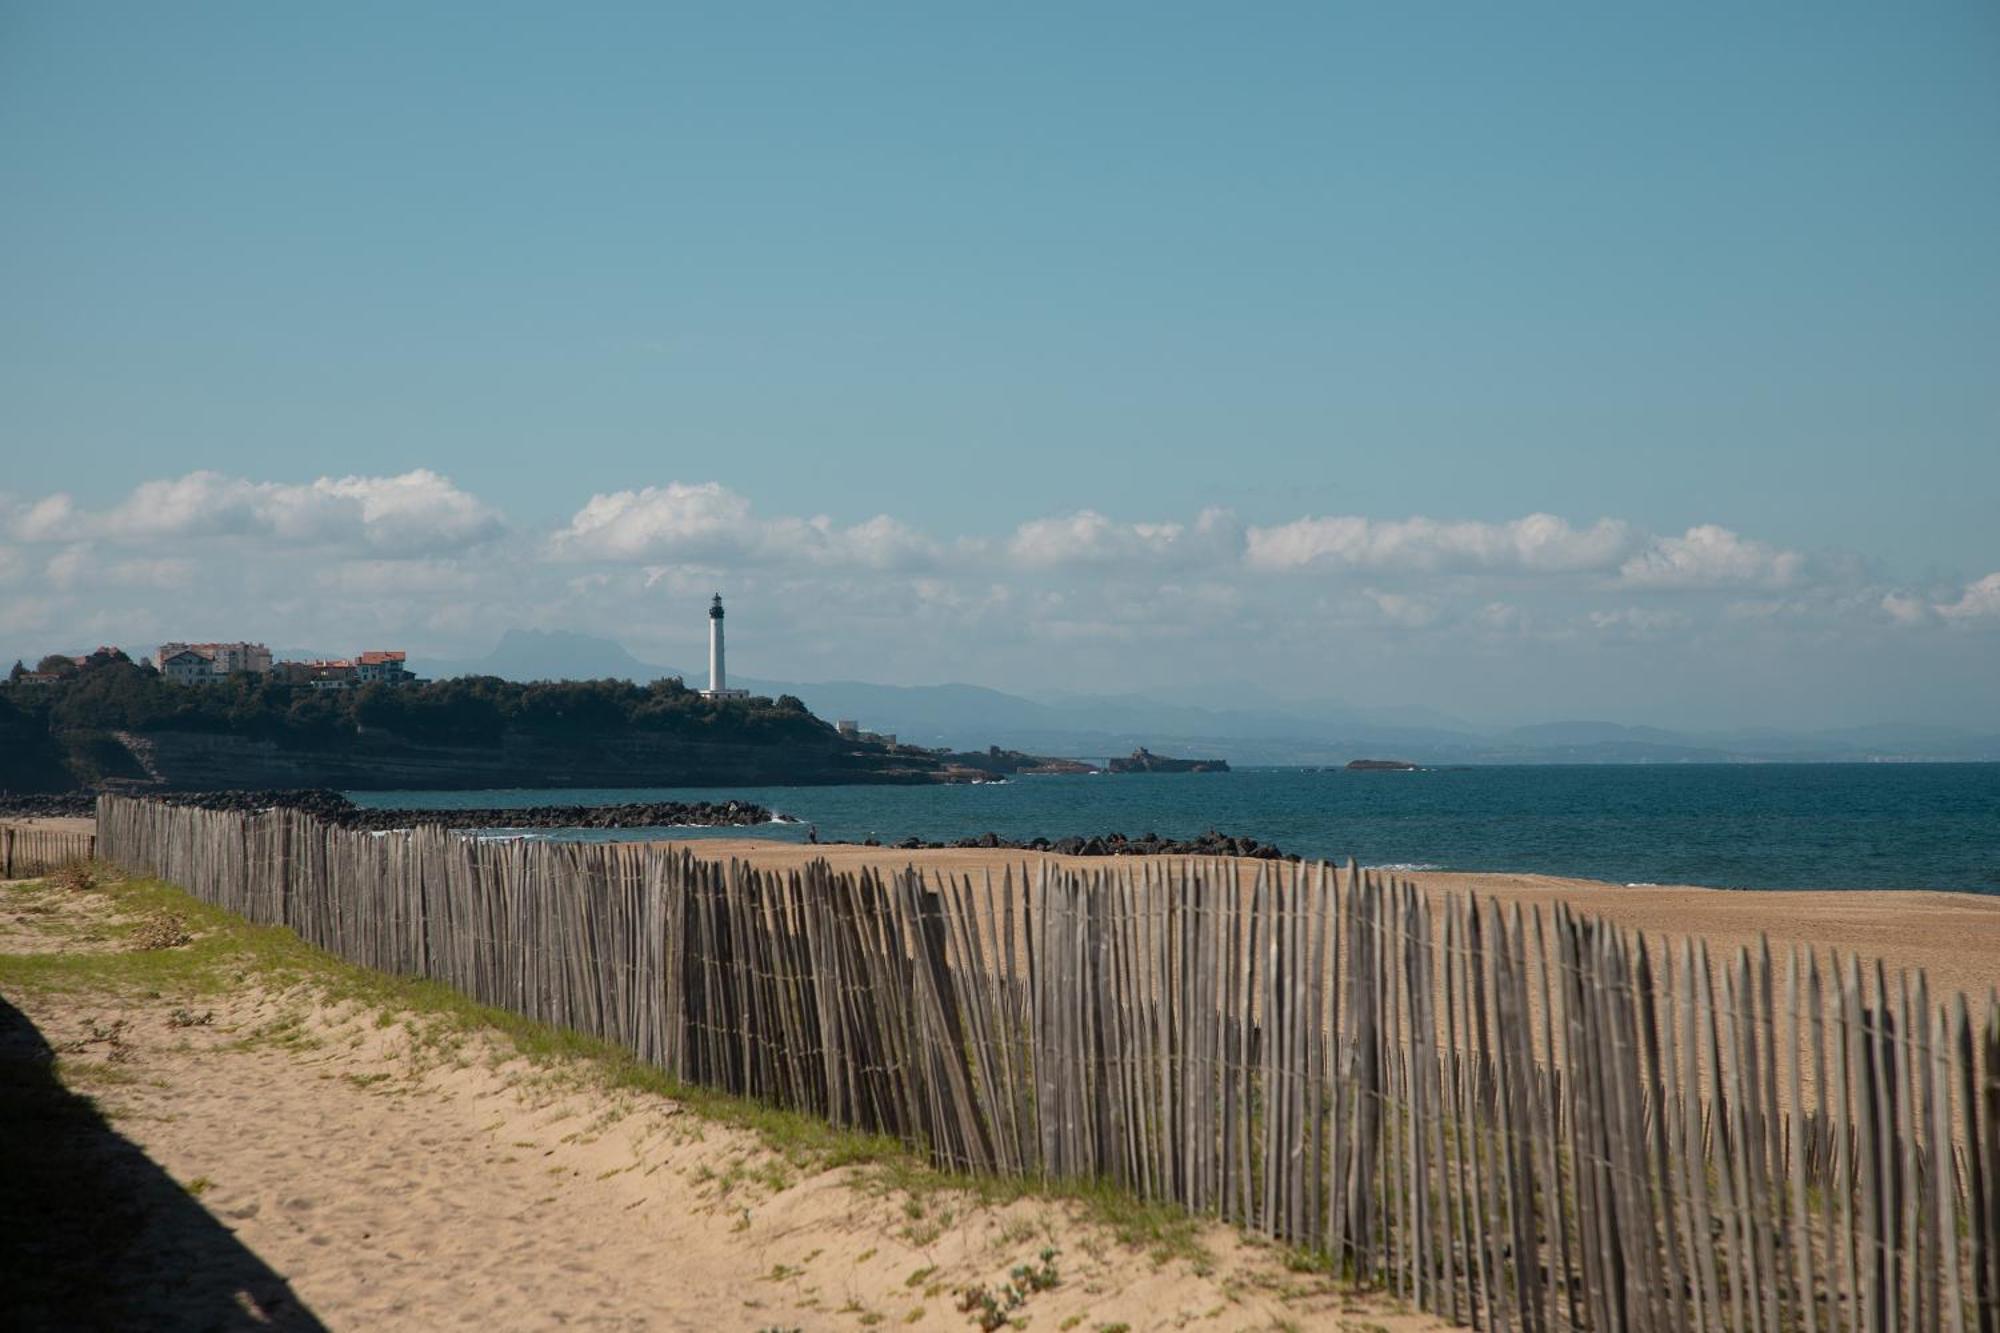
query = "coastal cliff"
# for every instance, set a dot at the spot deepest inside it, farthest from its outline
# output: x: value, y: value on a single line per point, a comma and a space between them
x: 374, y: 761
x: 122, y: 726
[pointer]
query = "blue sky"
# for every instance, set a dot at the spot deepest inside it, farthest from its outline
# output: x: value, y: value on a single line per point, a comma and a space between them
x: 964, y: 271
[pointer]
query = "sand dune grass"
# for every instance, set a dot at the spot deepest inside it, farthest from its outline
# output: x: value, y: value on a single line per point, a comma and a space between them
x: 292, y: 1141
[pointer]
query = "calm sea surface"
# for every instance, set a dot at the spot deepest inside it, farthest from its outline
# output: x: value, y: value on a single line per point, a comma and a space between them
x: 1763, y: 826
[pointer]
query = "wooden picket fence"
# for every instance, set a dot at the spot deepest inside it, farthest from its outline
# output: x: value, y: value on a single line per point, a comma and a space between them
x: 1515, y: 1121
x: 28, y: 852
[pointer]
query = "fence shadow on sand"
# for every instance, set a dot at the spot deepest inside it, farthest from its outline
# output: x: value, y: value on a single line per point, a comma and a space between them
x: 94, y: 1234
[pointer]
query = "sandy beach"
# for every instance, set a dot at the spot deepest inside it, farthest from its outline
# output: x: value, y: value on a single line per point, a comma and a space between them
x: 54, y: 823
x: 1953, y: 937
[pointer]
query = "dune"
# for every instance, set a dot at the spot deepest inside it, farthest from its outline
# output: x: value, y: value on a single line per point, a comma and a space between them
x: 347, y: 1164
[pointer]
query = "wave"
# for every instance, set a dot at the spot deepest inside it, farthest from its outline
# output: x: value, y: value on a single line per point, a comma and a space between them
x: 1409, y: 866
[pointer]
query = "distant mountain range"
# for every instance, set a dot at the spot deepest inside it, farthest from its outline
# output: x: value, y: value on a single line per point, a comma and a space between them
x: 1237, y: 723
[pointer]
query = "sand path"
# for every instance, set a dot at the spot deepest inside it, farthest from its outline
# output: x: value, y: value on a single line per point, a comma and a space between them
x: 391, y: 1170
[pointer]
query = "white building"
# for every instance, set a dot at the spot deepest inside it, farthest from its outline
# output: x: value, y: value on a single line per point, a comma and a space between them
x: 718, y: 681
x: 378, y: 665
x: 186, y: 666
x: 198, y: 663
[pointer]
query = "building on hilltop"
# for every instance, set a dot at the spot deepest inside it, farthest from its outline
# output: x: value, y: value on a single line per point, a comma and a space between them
x: 850, y: 730
x: 186, y: 666
x: 377, y: 666
x: 320, y: 673
x: 718, y: 682
x: 386, y: 667
x: 199, y: 663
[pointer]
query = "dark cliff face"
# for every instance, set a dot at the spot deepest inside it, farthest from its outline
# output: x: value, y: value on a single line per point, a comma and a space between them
x: 187, y: 760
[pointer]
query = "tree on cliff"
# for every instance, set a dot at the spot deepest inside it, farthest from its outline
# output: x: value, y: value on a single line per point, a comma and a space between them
x: 81, y: 715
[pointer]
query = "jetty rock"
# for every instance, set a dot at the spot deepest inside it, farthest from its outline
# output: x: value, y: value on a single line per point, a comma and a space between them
x: 1143, y: 760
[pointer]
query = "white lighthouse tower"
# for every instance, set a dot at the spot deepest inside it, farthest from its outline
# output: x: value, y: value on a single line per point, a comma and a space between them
x: 718, y: 681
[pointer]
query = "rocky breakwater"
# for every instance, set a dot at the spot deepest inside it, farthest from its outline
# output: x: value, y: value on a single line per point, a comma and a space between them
x: 994, y: 762
x: 54, y: 805
x: 1210, y: 843
x: 334, y: 808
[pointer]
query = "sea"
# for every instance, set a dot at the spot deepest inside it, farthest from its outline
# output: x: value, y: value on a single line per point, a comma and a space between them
x: 1750, y: 826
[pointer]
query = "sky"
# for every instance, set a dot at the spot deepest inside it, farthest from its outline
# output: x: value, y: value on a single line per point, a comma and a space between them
x: 1520, y: 362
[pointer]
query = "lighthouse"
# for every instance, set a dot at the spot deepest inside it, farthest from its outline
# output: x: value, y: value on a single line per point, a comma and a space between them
x: 718, y: 682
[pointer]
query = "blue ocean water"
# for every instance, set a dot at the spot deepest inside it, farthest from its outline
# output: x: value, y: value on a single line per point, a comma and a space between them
x: 1756, y: 826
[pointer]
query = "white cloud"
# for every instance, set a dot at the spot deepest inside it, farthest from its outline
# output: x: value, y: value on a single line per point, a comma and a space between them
x: 709, y: 522
x: 1640, y: 620
x: 1709, y: 556
x: 1979, y: 600
x: 1088, y: 538
x: 68, y: 568
x: 417, y: 511
x: 1539, y: 543
x: 415, y: 562
x: 1905, y: 609
x: 46, y: 520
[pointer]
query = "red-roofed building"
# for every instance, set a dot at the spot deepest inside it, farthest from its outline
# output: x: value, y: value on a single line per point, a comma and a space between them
x: 386, y: 667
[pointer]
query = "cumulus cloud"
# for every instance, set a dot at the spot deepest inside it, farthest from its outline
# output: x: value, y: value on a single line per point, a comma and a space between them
x: 1087, y: 537
x: 415, y: 512
x: 1710, y: 556
x: 710, y: 522
x: 414, y: 561
x: 48, y: 519
x: 1979, y: 600
x: 1539, y: 543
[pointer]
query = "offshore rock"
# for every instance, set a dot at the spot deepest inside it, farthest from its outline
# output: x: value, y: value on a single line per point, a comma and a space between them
x: 1143, y: 760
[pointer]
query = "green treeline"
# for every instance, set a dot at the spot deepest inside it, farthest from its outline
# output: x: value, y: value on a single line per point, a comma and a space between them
x: 56, y: 735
